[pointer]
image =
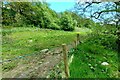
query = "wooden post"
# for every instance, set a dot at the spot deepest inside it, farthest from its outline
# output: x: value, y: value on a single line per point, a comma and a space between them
x: 65, y: 57
x: 78, y: 39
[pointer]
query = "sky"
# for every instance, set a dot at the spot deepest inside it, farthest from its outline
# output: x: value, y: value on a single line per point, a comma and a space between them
x: 61, y: 6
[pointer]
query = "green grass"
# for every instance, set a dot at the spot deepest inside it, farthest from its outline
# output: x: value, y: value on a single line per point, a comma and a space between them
x: 20, y: 41
x: 87, y: 62
x: 28, y: 40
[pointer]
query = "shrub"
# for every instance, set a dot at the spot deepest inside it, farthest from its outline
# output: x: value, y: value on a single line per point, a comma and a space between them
x: 20, y: 21
x: 66, y: 22
x: 106, y: 40
x: 54, y: 26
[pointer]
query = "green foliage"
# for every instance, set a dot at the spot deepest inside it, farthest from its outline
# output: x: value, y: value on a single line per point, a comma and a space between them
x: 26, y: 13
x: 67, y: 22
x: 20, y: 20
x: 54, y: 26
x: 109, y: 41
x: 100, y: 46
x: 105, y: 36
x: 19, y: 14
x: 8, y: 15
x: 88, y: 65
x: 88, y: 58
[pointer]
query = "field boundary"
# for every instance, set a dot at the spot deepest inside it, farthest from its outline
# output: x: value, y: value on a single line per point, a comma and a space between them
x: 44, y: 54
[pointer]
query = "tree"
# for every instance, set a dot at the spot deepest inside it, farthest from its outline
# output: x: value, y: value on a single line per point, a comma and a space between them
x: 111, y: 8
x: 27, y: 13
x: 66, y: 22
x: 7, y: 15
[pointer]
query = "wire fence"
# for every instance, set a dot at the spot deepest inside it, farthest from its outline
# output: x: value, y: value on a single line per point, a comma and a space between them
x: 65, y: 49
x: 18, y: 57
x: 26, y: 55
x: 23, y: 56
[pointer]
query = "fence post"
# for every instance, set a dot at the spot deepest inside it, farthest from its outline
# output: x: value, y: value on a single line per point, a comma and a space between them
x: 65, y: 57
x: 78, y: 39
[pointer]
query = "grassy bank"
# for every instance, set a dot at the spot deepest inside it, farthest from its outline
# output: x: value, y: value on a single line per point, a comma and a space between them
x: 89, y: 59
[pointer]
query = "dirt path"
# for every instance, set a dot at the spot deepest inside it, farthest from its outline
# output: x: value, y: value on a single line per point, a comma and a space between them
x: 37, y: 66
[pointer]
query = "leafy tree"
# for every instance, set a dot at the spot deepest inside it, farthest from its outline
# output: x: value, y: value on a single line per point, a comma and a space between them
x: 7, y: 15
x: 36, y: 13
x: 67, y: 22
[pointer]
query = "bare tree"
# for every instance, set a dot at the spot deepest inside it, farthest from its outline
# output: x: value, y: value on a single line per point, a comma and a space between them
x: 112, y: 8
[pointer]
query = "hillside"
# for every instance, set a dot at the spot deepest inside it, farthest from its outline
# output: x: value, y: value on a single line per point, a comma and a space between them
x: 38, y: 42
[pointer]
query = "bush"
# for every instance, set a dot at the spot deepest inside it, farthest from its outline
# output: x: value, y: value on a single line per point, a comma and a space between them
x: 18, y: 25
x: 106, y: 40
x: 66, y: 22
x: 20, y: 21
x: 54, y: 26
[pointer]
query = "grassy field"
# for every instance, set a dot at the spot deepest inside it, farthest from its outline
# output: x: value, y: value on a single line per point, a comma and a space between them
x: 22, y: 41
x: 88, y: 59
